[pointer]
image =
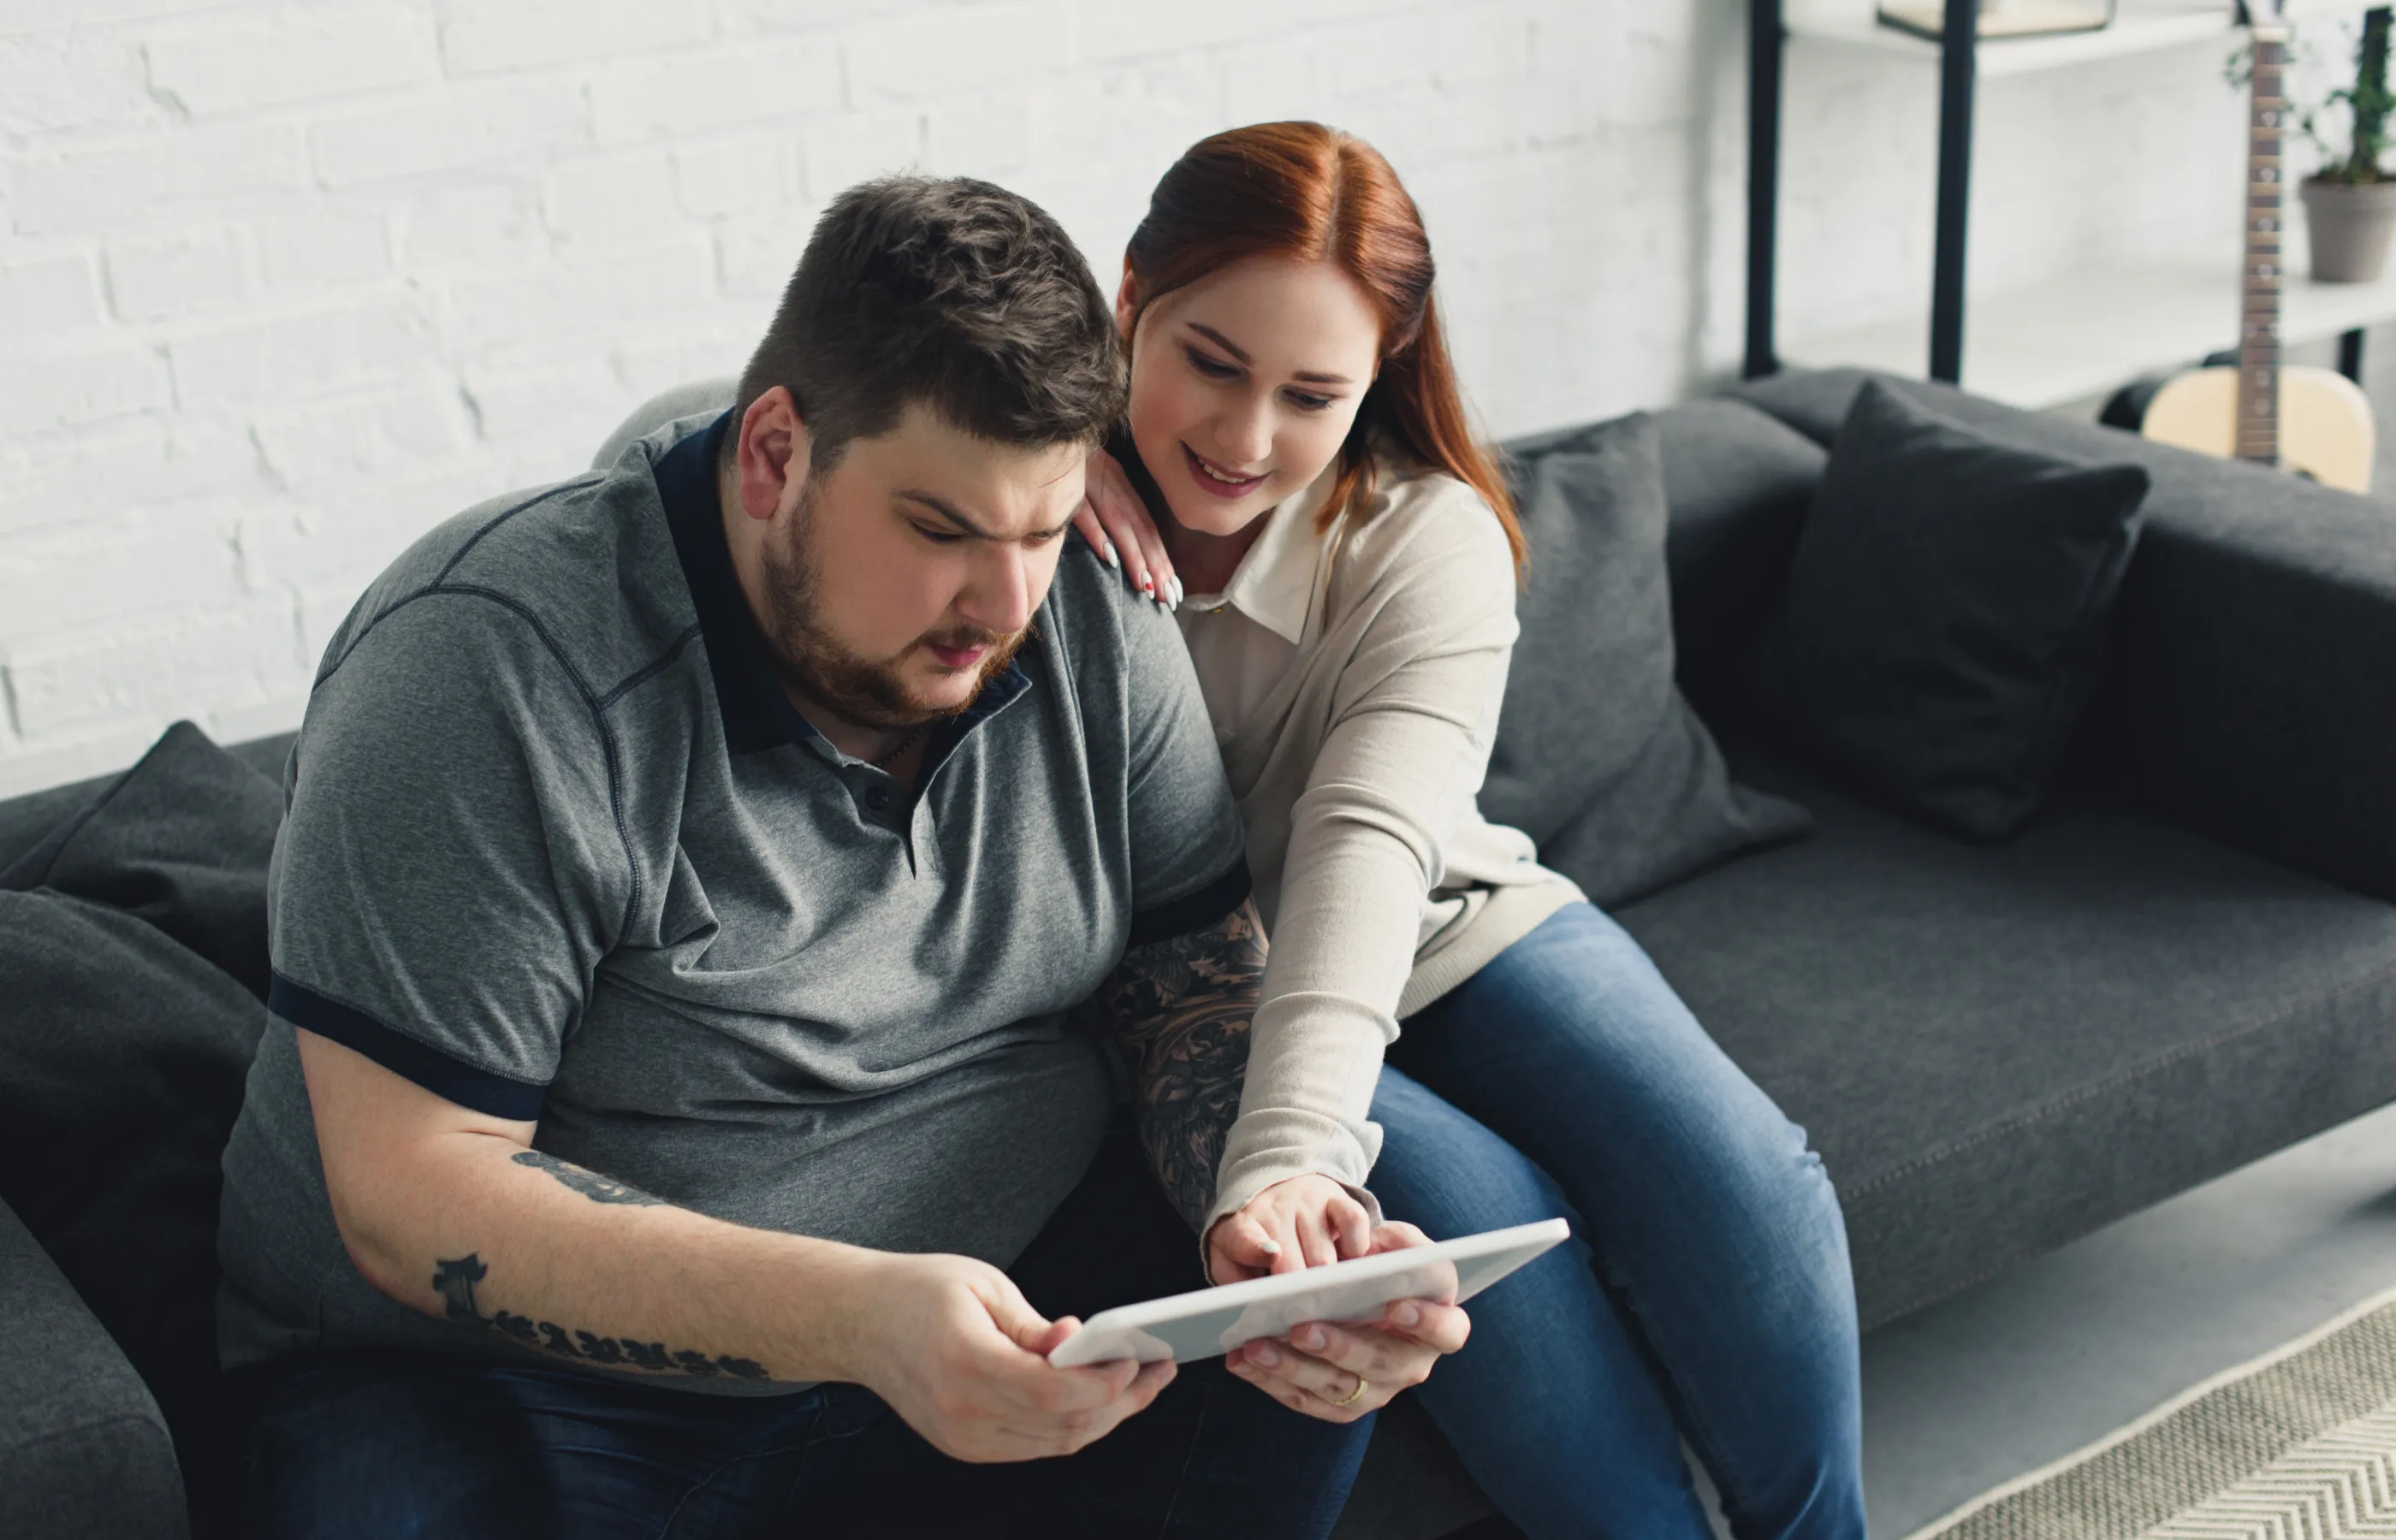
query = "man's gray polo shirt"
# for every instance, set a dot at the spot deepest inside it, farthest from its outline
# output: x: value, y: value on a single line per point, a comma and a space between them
x: 559, y: 849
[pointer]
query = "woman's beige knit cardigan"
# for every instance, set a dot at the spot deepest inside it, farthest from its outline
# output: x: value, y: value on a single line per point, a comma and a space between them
x: 1380, y: 884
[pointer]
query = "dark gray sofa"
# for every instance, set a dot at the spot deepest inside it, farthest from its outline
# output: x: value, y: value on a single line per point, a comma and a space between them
x: 2186, y: 962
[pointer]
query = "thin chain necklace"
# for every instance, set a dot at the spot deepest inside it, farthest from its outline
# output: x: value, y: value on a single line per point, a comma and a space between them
x: 881, y: 761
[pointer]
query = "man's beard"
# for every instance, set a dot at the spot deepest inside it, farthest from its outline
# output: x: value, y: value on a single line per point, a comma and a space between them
x: 821, y: 668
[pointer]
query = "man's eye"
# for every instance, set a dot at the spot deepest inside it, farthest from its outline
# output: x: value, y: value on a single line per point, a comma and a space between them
x: 1213, y: 368
x: 938, y: 536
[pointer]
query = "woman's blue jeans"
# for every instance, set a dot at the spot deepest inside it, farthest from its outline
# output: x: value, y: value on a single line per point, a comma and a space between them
x: 1707, y: 1293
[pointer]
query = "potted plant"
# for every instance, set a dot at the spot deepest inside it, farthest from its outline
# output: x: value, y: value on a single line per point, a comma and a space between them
x: 2351, y: 202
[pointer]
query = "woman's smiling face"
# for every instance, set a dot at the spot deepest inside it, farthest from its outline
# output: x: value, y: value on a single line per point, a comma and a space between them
x: 1245, y: 384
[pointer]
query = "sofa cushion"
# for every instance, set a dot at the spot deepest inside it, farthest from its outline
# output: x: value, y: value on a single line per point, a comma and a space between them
x: 181, y: 840
x: 2222, y: 704
x: 25, y: 822
x: 84, y: 1454
x: 1998, y: 1049
x: 1736, y: 481
x: 1598, y: 758
x: 265, y: 755
x: 133, y: 939
x: 1942, y: 628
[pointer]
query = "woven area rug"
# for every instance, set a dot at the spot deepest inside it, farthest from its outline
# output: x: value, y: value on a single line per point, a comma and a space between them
x: 2299, y: 1444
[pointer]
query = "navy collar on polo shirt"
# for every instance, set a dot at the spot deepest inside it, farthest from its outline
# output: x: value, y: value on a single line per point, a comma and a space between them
x: 757, y: 714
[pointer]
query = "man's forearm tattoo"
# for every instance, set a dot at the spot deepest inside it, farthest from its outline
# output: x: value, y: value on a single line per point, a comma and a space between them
x: 1181, y: 1009
x: 598, y: 1189
x: 456, y: 1278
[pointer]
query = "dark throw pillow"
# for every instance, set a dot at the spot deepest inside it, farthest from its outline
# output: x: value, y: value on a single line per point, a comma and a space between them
x: 181, y: 840
x: 1944, y: 621
x: 133, y: 940
x: 1598, y: 758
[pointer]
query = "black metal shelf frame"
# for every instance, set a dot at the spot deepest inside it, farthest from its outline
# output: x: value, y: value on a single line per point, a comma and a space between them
x: 1958, y: 75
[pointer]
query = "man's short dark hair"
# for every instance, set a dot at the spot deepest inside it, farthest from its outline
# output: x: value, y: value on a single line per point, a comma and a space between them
x: 952, y: 293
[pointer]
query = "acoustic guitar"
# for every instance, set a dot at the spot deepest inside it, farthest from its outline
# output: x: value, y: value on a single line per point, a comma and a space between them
x: 2314, y: 422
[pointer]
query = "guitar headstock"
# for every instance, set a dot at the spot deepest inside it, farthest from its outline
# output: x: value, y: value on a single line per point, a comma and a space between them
x: 2267, y: 18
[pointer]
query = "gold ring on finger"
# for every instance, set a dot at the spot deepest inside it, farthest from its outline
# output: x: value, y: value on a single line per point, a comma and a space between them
x: 1356, y: 1395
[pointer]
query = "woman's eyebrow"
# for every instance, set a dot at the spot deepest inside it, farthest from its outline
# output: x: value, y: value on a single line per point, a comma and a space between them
x: 1211, y: 334
x: 1310, y: 377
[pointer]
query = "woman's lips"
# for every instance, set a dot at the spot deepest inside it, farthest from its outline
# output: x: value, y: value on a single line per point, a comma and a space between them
x: 1212, y: 478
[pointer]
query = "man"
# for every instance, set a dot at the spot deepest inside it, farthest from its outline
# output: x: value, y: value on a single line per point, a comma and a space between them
x: 687, y: 874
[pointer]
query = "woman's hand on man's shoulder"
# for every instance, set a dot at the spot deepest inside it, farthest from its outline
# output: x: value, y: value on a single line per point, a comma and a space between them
x: 1116, y: 524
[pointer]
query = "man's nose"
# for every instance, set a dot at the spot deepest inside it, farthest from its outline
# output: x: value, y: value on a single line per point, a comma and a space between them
x: 1003, y: 593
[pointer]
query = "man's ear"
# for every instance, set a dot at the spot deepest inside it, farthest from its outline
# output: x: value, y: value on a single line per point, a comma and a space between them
x: 772, y: 453
x: 1126, y: 303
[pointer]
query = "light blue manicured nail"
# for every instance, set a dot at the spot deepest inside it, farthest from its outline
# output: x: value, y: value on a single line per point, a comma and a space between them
x: 1177, y: 591
x: 1113, y: 559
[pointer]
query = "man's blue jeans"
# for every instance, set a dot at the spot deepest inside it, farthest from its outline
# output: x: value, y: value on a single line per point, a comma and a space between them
x: 1707, y: 1290
x: 367, y: 1446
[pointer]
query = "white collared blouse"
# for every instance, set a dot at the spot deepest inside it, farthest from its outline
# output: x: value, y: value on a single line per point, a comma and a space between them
x: 1354, y: 678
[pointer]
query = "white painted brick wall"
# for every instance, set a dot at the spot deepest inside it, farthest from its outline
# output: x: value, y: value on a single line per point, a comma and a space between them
x: 283, y: 283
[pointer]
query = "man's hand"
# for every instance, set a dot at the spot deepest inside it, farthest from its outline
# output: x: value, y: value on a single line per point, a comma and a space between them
x: 1339, y: 1374
x: 1303, y: 1222
x: 957, y: 1351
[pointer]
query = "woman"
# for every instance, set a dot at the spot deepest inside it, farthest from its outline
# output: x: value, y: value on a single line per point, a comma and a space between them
x: 1299, y: 483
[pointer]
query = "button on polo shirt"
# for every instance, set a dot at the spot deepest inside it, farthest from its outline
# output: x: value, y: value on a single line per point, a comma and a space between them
x: 559, y: 849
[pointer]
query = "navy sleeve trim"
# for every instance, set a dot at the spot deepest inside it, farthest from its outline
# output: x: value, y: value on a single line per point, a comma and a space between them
x: 402, y: 1056
x: 1197, y: 910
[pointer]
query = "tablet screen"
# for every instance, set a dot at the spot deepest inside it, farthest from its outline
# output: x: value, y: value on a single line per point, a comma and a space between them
x: 1209, y: 1321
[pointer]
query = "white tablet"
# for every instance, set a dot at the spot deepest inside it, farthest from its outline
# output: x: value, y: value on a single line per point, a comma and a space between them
x: 1201, y: 1324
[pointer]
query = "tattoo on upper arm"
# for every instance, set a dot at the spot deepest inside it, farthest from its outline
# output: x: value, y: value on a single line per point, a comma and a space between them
x: 1181, y: 1009
x: 598, y: 1189
x: 455, y: 1280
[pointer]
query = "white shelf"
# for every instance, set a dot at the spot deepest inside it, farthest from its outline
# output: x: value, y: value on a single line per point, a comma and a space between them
x: 2135, y: 29
x: 2096, y: 328
x: 2138, y: 26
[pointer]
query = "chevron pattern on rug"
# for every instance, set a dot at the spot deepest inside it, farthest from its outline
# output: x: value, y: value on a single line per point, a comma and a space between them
x: 2299, y: 1444
x: 2339, y: 1486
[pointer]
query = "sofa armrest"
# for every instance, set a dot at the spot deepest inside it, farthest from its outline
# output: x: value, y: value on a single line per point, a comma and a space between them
x: 684, y: 400
x: 82, y: 1450
x: 2250, y: 685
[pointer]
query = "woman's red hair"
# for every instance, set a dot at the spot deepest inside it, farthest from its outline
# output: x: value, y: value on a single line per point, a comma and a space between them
x: 1314, y: 194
